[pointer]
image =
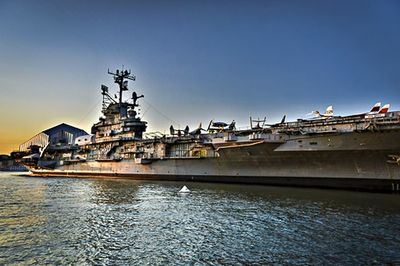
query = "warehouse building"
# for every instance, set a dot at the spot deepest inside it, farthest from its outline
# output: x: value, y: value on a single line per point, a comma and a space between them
x: 61, y: 135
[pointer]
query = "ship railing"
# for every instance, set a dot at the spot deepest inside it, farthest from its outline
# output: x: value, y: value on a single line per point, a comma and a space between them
x: 392, y: 119
x: 387, y: 120
x: 153, y: 135
x: 62, y: 147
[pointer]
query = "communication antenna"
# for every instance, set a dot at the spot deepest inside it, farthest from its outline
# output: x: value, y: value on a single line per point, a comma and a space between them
x: 120, y: 77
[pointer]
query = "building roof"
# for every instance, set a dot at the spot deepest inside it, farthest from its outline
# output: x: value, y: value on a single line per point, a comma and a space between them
x: 4, y: 157
x: 64, y: 126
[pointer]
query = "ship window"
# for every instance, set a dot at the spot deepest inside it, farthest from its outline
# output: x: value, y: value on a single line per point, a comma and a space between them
x: 299, y: 141
x: 313, y: 143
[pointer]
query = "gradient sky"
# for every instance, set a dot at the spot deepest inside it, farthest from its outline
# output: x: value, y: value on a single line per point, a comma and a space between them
x: 194, y: 60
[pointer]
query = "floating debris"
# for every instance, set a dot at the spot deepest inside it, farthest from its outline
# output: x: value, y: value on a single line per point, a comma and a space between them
x: 184, y: 189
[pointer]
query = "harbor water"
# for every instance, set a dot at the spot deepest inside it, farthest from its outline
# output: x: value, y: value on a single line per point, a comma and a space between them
x: 127, y: 222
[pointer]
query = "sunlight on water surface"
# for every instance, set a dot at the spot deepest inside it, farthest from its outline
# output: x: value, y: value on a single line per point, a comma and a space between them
x: 93, y: 221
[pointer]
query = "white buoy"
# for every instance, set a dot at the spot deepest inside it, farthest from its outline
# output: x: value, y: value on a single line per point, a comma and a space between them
x: 184, y: 189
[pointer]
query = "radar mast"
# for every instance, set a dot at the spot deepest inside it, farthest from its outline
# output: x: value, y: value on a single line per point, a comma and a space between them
x: 120, y: 77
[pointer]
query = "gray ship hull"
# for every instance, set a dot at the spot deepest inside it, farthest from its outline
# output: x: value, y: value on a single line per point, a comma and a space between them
x: 360, y: 151
x: 352, y: 161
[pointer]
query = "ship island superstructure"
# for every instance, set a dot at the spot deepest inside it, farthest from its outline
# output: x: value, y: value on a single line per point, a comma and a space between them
x: 354, y: 152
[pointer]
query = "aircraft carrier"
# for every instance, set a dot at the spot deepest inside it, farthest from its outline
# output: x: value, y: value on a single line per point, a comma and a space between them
x: 347, y: 152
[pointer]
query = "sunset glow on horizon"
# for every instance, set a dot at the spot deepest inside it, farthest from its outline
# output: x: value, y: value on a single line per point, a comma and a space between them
x: 194, y: 60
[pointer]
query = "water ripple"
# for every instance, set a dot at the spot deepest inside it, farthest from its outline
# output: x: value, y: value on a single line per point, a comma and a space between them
x: 103, y: 222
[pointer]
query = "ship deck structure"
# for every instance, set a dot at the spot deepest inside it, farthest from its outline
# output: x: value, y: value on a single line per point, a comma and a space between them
x: 349, y: 152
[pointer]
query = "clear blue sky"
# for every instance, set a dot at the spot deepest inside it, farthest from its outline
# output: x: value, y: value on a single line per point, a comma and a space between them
x: 194, y: 60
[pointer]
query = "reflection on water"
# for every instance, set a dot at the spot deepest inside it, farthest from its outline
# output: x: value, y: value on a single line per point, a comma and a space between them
x: 91, y: 221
